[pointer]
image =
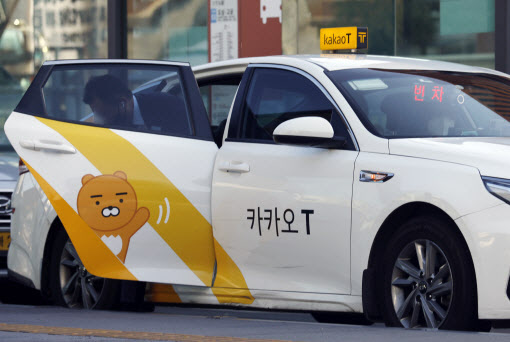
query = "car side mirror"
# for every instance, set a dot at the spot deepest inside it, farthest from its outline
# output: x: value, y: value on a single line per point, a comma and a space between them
x: 310, y: 131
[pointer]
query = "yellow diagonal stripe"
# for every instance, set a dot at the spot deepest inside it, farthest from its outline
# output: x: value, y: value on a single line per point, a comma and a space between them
x: 162, y: 293
x: 229, y: 285
x: 187, y: 232
x: 99, y: 259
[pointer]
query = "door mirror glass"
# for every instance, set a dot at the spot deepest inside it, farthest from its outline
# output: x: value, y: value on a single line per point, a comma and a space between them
x: 307, y: 131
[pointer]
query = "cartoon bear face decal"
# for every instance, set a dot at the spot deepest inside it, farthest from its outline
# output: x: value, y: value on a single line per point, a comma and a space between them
x: 108, y: 204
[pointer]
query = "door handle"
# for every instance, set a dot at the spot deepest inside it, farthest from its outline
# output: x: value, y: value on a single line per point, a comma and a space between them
x: 47, y: 145
x: 234, y: 166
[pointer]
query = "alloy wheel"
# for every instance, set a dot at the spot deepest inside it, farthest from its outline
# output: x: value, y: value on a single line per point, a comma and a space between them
x: 80, y: 289
x: 422, y: 285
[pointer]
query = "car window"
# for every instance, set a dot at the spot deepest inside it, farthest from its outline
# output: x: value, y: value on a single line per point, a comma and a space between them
x: 218, y: 94
x: 218, y: 100
x: 129, y: 97
x: 427, y: 103
x: 275, y: 96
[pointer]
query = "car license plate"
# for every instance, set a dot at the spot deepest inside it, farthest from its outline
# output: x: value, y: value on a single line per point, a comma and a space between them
x: 5, y: 240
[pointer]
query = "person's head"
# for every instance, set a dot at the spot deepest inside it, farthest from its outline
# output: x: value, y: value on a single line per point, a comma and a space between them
x: 110, y: 99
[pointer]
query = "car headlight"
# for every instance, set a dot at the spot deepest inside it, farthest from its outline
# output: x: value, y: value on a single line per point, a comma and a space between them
x: 499, y: 187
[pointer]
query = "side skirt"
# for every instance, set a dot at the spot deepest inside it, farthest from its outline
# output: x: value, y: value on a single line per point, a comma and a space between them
x: 163, y: 293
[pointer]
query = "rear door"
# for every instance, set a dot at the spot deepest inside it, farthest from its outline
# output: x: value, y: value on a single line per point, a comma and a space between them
x: 124, y: 152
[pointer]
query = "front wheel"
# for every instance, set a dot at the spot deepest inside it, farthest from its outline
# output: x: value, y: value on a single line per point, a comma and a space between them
x: 428, y: 278
x: 71, y: 285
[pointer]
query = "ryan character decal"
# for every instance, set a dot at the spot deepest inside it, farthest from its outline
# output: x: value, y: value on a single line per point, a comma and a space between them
x: 109, y: 206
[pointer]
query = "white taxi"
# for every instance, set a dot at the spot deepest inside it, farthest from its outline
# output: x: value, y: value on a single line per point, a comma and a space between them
x: 347, y: 183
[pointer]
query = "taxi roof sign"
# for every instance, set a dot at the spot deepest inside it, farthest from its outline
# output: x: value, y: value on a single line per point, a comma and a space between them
x: 344, y: 38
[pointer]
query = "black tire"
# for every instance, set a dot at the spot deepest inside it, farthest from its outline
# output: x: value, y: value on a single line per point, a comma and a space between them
x: 441, y: 296
x: 68, y: 277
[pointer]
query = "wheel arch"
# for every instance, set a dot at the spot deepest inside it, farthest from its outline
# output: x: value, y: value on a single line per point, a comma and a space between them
x: 371, y: 304
x: 56, y: 225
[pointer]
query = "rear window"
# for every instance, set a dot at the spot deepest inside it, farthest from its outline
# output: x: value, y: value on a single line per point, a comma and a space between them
x: 422, y: 103
x: 147, y: 98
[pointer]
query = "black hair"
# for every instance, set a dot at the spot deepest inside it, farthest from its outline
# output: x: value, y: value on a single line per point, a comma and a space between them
x: 106, y: 88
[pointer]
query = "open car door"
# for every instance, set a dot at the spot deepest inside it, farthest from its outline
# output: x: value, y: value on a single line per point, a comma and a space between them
x: 124, y: 152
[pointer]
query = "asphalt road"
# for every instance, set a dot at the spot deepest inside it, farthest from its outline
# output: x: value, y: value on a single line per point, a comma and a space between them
x: 39, y: 322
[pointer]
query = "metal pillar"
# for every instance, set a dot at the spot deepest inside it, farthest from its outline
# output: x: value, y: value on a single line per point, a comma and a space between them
x: 502, y: 35
x: 117, y: 29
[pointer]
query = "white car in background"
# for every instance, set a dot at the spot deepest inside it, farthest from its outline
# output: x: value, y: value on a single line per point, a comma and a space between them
x: 10, y: 94
x: 345, y: 183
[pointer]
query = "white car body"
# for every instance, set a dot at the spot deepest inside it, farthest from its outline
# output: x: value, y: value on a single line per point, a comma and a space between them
x: 320, y: 271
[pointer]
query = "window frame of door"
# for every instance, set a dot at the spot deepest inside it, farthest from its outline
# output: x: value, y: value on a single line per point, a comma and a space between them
x: 234, y: 129
x: 33, y: 102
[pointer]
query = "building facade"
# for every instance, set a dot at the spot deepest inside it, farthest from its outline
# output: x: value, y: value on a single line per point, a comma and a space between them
x: 473, y: 32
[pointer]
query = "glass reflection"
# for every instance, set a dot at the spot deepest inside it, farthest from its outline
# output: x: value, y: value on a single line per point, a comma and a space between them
x: 32, y: 31
x: 168, y: 30
x: 433, y: 29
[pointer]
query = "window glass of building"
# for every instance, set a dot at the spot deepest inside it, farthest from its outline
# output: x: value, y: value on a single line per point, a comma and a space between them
x: 168, y: 30
x: 460, y: 31
x: 32, y: 31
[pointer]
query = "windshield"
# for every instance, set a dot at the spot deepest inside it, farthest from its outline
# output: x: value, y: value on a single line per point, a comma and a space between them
x: 423, y: 103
